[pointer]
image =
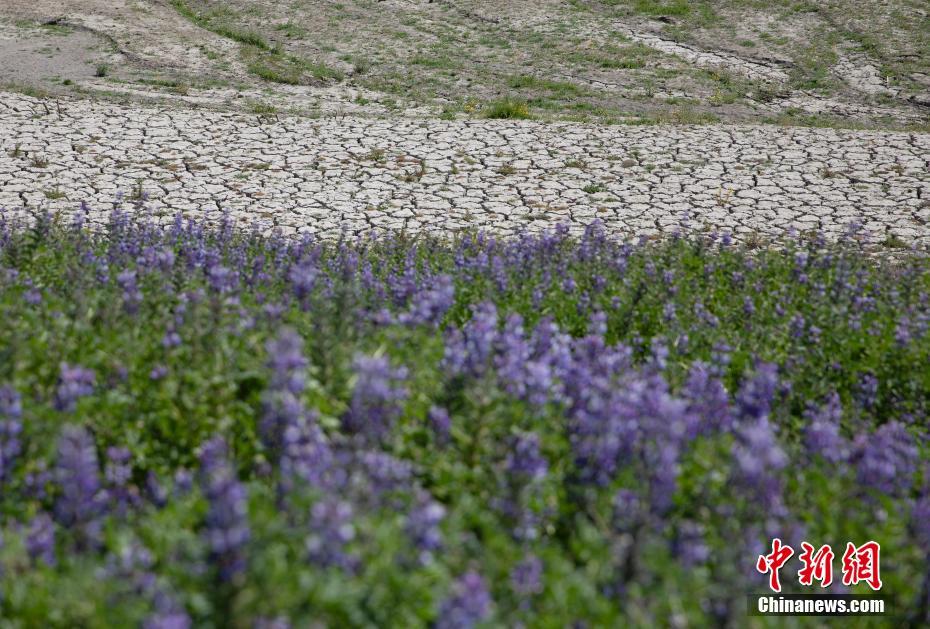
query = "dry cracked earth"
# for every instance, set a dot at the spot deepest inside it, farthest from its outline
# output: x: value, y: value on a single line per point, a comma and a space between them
x: 317, y: 116
x: 361, y: 174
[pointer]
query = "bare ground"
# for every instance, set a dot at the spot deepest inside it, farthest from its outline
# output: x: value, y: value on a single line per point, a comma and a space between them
x: 835, y: 63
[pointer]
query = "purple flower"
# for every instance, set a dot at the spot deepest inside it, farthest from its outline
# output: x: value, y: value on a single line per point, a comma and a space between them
x: 708, y: 401
x: 332, y: 529
x: 132, y: 296
x: 441, y: 424
x: 305, y: 454
x: 525, y: 460
x: 822, y: 435
x: 920, y: 522
x: 886, y: 460
x: 227, y: 528
x: 430, y: 304
x: 118, y: 475
x: 628, y: 511
x: 867, y: 392
x: 689, y: 545
x: 11, y: 426
x: 754, y: 399
x: 73, y: 384
x: 33, y: 296
x: 80, y: 500
x: 376, y: 397
x: 526, y: 576
x: 40, y: 539
x: 303, y: 278
x: 287, y: 362
x: 221, y: 279
x: 167, y: 614
x: 469, y: 350
x: 468, y: 604
x: 422, y: 527
x: 759, y: 460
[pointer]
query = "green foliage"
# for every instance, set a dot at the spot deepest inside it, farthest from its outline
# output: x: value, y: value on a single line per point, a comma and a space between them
x: 215, y: 378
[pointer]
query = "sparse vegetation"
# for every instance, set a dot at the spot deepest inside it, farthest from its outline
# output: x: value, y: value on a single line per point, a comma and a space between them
x: 506, y: 109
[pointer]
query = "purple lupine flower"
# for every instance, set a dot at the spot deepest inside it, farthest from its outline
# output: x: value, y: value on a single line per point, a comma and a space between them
x: 469, y: 349
x: 183, y: 482
x: 155, y: 491
x: 708, y: 401
x: 867, y: 391
x: 422, y: 526
x: 526, y: 576
x: 332, y: 530
x: 886, y: 460
x: 287, y: 362
x: 288, y: 432
x: 33, y: 296
x: 222, y: 280
x: 118, y: 474
x: 754, y: 399
x: 168, y: 613
x: 73, y: 383
x: 468, y: 604
x: 525, y: 461
x: 689, y: 544
x: 376, y: 398
x: 440, y: 423
x: 11, y: 425
x: 80, y: 502
x: 132, y: 295
x: 759, y: 460
x: 227, y: 528
x: 303, y: 278
x: 36, y: 482
x: 171, y: 338
x: 628, y: 510
x: 920, y: 522
x: 822, y: 435
x: 305, y: 452
x: 40, y: 539
x: 430, y: 304
x: 511, y: 356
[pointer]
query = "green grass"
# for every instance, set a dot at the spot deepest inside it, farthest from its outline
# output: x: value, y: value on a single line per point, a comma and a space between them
x: 506, y: 110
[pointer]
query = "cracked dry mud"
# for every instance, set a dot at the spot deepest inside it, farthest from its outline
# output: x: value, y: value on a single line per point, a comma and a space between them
x: 322, y: 176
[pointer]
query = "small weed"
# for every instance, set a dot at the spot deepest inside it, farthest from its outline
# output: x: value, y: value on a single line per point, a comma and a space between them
x: 102, y: 70
x: 507, y: 169
x: 893, y: 241
x: 54, y: 194
x: 39, y: 161
x: 263, y: 109
x: 593, y: 188
x: 417, y: 175
x: 375, y: 155
x: 507, y: 110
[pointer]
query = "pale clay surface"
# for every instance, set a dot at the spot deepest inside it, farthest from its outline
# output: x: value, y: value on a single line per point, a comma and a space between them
x: 362, y: 175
